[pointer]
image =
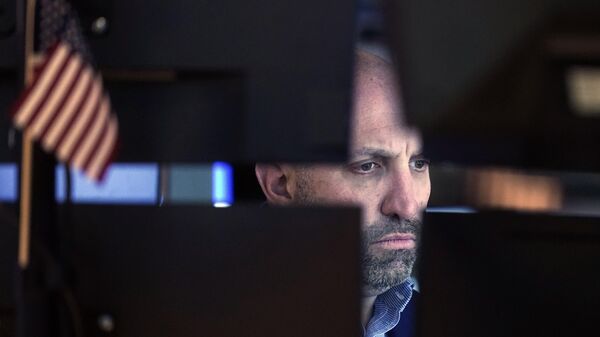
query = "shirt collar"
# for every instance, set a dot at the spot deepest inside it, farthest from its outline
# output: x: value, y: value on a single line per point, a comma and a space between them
x: 387, y: 308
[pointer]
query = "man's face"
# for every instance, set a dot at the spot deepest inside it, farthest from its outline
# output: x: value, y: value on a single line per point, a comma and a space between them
x: 386, y: 175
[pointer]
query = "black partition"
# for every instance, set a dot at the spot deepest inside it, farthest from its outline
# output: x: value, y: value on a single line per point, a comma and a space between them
x: 226, y: 80
x: 491, y: 82
x: 189, y: 271
x: 509, y: 274
x: 8, y: 93
x: 197, y: 81
x: 8, y: 267
x: 9, y: 68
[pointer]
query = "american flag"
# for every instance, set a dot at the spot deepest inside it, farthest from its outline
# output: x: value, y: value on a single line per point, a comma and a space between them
x: 65, y: 107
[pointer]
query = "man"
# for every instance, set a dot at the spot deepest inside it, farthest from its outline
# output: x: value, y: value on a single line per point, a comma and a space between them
x: 387, y: 176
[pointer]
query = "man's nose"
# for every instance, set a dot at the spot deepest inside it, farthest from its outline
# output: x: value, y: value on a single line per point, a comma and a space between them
x: 400, y: 199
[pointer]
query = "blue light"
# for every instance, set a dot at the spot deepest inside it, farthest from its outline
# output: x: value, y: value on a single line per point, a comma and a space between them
x: 8, y: 182
x: 222, y: 184
x: 123, y: 184
x: 60, y: 181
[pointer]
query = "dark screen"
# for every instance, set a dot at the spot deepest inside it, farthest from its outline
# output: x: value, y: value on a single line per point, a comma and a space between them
x: 248, y: 81
x: 488, y: 81
x: 240, y: 271
x: 509, y: 274
x: 8, y: 266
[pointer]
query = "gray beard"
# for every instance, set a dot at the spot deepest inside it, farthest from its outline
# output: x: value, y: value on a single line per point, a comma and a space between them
x: 385, y: 269
x: 381, y: 269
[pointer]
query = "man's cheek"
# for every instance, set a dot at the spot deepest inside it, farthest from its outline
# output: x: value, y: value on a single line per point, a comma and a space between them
x: 370, y: 210
x: 342, y: 195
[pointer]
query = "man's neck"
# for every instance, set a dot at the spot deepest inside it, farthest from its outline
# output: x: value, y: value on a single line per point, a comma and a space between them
x: 367, y: 309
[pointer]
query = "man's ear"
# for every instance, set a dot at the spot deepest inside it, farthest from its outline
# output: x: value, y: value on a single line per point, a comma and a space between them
x: 274, y: 181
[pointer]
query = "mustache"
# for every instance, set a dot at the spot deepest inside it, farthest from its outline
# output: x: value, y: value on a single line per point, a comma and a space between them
x: 382, y: 227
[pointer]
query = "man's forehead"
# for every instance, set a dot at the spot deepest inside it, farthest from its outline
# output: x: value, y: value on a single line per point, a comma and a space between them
x: 393, y: 139
x: 378, y: 119
x: 368, y: 121
x: 376, y: 97
x: 376, y: 100
x: 377, y: 116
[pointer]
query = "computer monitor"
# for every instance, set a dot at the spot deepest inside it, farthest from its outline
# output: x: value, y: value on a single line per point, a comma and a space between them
x: 190, y: 270
x: 501, y: 82
x: 8, y: 265
x: 9, y: 77
x: 197, y: 81
x: 8, y: 93
x: 509, y: 274
x: 201, y: 81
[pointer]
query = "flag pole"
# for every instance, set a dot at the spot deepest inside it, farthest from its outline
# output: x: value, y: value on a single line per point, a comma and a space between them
x: 27, y: 146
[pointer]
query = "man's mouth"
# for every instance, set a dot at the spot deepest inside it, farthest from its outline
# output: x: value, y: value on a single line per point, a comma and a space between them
x: 396, y: 241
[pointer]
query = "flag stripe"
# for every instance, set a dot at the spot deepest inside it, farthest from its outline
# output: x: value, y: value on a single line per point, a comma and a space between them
x: 70, y: 93
x: 24, y: 96
x: 65, y: 107
x: 97, y: 143
x: 111, y: 157
x: 88, y: 99
x: 91, y: 134
x: 66, y: 117
x: 71, y: 135
x: 56, y: 96
x: 45, y: 98
x: 103, y: 156
x: 41, y: 87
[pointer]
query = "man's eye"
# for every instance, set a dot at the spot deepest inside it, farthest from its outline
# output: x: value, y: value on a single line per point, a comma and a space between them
x: 420, y: 164
x: 366, y: 167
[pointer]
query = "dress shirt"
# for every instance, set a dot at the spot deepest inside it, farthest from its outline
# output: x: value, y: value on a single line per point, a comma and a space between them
x: 388, y: 308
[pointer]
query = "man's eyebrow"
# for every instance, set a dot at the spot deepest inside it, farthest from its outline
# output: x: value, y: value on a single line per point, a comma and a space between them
x: 372, y: 152
x: 381, y: 153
